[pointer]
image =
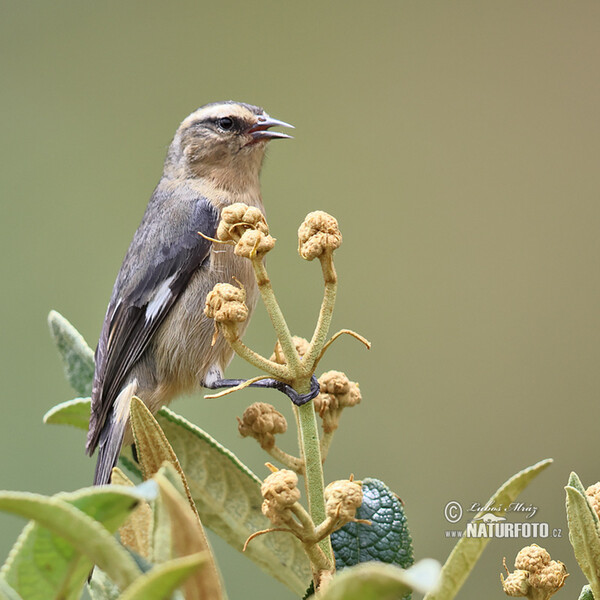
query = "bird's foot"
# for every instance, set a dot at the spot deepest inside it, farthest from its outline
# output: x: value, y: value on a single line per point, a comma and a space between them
x: 288, y: 390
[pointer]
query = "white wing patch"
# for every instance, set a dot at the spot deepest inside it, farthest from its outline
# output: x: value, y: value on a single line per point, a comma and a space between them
x: 162, y: 296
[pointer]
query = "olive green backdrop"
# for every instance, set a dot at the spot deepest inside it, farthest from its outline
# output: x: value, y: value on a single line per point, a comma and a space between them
x: 458, y: 145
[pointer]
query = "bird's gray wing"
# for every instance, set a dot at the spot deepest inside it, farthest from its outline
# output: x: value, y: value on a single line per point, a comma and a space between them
x: 156, y: 270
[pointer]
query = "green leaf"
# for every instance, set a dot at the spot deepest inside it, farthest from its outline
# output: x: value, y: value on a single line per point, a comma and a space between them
x: 386, y: 540
x: 6, y: 592
x: 77, y: 356
x: 188, y: 538
x: 468, y: 549
x: 586, y: 593
x: 54, y: 555
x: 575, y: 482
x: 226, y: 493
x: 73, y: 412
x: 584, y: 537
x: 228, y: 499
x: 379, y: 581
x: 164, y: 579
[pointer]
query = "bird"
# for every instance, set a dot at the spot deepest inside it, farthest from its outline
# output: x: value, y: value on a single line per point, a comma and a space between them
x: 155, y: 341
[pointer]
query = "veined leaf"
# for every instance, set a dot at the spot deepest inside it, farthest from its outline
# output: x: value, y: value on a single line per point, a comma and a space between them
x: 227, y: 495
x: 379, y: 581
x: 468, y: 549
x: 77, y: 356
x: 386, y: 539
x: 188, y: 537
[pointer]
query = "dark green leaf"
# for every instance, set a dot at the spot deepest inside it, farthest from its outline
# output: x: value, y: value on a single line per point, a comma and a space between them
x: 386, y: 540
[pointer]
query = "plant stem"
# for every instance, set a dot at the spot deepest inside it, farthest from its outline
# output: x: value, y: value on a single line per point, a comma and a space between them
x: 313, y: 479
x: 290, y: 462
x: 276, y: 316
x: 322, y: 328
x: 274, y: 369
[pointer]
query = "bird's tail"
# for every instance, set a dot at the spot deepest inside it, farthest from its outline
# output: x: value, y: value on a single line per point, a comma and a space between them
x: 111, y: 436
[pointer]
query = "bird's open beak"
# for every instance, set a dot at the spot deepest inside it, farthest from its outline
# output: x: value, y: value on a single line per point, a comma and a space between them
x: 260, y: 130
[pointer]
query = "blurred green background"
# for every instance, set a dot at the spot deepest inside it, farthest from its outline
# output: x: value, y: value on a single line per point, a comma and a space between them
x: 457, y: 143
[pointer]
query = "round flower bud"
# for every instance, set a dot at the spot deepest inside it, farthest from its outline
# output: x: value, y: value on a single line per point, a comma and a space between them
x: 532, y: 558
x: 516, y: 584
x: 262, y: 422
x: 342, y: 498
x: 252, y: 243
x: 280, y: 492
x: 226, y: 303
x: 318, y: 233
x: 301, y: 348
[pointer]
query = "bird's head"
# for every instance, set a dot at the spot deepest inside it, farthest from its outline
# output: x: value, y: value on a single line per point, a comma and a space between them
x: 224, y: 142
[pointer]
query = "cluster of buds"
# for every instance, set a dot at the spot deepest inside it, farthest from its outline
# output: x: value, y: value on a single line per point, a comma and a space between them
x: 262, y: 422
x: 337, y: 392
x: 536, y: 575
x: 318, y: 234
x: 246, y: 227
x: 281, y: 494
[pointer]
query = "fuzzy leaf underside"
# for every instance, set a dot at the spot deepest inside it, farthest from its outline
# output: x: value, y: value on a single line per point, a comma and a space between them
x: 584, y: 537
x: 467, y: 551
x: 386, y: 540
x: 77, y: 356
x: 380, y: 581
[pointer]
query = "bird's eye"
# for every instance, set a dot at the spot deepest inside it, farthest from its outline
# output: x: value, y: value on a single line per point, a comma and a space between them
x: 225, y: 123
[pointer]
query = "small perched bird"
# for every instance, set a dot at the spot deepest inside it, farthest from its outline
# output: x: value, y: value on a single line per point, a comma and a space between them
x: 156, y: 341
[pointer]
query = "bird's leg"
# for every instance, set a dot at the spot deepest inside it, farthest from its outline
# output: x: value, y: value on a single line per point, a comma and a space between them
x: 288, y: 390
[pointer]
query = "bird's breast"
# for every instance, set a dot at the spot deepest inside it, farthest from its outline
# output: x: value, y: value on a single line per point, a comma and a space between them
x: 183, y: 350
